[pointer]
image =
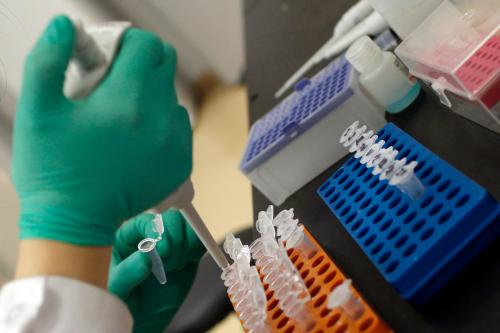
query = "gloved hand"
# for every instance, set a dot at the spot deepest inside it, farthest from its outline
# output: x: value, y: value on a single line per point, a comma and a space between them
x: 153, y: 305
x: 82, y: 167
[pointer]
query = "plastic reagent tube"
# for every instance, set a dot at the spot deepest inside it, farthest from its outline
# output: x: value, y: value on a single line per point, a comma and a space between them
x: 406, y: 180
x: 148, y: 245
x: 342, y: 297
x: 382, y: 75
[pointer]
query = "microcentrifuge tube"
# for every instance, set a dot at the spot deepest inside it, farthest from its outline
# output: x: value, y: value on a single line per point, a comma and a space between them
x: 348, y: 133
x: 364, y: 146
x: 352, y: 140
x: 406, y: 180
x: 148, y: 245
x: 360, y: 140
x: 383, y: 160
x: 392, y: 169
x: 367, y: 158
x: 342, y: 297
x: 87, y: 54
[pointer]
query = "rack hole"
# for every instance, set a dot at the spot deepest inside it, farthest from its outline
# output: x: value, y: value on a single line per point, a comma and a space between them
x: 329, y: 192
x: 418, y: 226
x: 362, y: 172
x: 445, y: 217
x: 383, y: 258
x: 369, y: 240
x: 294, y: 258
x: 393, y: 233
x: 354, y: 190
x: 338, y: 173
x: 409, y: 217
x: 339, y: 204
x: 305, y: 274
x: 409, y: 250
x: 405, y: 153
x: 387, y: 196
x: 318, y: 260
x: 341, y: 329
x: 282, y: 322
x: 402, y: 210
x: 324, y: 312
x: 345, y: 211
x: 309, y: 282
x: 350, y: 218
x: 381, y: 188
x: 378, y: 218
x: 453, y: 193
x: 401, y: 241
x: 434, y: 210
x: 362, y: 233
x: 300, y: 265
x: 371, y: 211
x: 426, y: 172
x: 277, y: 313
x: 365, y: 203
x: 435, y: 179
x: 385, y: 225
x: 272, y: 305
x: 315, y: 291
x: 427, y: 201
x: 334, y: 198
x: 419, y: 166
x: 377, y: 249
x: 290, y: 329
x: 324, y: 186
x: 333, y: 320
x: 324, y: 268
x: 444, y: 185
x: 427, y: 234
x: 374, y: 183
x: 343, y: 179
x: 359, y: 197
x: 392, y: 266
x: 319, y: 302
x: 356, y: 225
x: 463, y: 200
x: 330, y: 277
x: 348, y: 185
x: 394, y: 202
x: 365, y: 325
x: 336, y: 284
x: 367, y: 178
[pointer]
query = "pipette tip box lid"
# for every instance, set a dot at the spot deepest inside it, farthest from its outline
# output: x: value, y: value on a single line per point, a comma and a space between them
x: 417, y: 245
x: 457, y: 48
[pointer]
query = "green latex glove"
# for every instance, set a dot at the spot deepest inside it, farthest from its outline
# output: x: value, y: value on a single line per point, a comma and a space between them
x: 82, y: 167
x: 153, y: 305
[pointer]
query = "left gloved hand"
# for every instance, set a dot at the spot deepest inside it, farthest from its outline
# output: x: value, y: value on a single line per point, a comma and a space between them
x: 153, y: 305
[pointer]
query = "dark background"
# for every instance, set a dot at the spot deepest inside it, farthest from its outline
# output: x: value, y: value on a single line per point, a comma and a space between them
x: 280, y: 37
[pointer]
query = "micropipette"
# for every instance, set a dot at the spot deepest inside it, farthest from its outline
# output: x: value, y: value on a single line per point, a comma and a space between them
x: 371, y: 25
x: 181, y: 200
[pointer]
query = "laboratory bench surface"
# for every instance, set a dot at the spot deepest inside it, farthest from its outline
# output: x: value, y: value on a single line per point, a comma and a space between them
x: 280, y: 37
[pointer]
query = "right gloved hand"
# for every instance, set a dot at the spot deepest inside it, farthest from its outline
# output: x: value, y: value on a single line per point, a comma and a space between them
x: 82, y: 167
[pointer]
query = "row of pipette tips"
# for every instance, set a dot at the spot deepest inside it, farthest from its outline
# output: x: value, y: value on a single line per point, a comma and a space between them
x: 371, y: 153
x: 244, y: 287
x: 278, y: 271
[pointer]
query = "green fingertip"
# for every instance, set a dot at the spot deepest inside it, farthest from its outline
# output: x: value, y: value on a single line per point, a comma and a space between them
x: 59, y: 30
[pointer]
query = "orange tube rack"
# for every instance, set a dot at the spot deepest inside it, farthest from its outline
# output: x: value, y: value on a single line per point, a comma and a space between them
x: 321, y: 276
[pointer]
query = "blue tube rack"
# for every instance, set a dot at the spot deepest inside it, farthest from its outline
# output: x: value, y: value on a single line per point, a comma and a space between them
x: 417, y: 245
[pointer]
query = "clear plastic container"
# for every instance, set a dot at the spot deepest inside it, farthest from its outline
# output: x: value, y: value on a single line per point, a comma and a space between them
x: 457, y: 49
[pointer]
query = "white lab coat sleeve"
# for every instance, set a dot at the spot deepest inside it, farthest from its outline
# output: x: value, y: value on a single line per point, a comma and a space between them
x: 57, y: 304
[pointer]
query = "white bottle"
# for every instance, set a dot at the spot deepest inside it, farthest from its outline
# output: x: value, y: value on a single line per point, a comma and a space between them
x: 382, y: 75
